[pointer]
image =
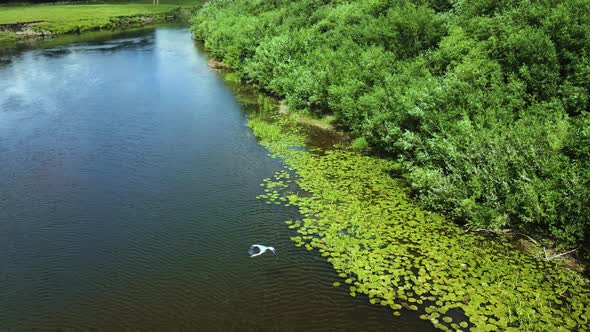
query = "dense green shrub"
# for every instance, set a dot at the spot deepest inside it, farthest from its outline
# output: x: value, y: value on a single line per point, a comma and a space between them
x: 485, y: 103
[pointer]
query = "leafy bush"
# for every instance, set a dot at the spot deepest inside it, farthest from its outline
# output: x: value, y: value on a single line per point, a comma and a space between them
x: 360, y: 144
x: 485, y: 103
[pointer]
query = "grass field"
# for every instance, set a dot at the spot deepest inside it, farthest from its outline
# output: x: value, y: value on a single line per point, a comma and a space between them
x: 82, y: 12
x: 69, y: 18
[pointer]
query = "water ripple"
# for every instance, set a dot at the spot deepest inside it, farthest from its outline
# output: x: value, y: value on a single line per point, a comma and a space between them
x: 128, y: 201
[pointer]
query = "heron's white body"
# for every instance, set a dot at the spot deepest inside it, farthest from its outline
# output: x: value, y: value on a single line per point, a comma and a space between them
x: 262, y: 249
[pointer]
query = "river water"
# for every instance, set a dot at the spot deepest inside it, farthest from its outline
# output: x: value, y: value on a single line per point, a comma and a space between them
x: 128, y: 184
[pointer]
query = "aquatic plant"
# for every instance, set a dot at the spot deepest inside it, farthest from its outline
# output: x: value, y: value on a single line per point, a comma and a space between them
x: 383, y: 245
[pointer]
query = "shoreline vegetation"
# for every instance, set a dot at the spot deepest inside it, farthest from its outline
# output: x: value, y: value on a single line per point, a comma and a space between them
x: 357, y: 201
x: 20, y: 22
x: 357, y: 213
x: 384, y: 246
x: 485, y: 105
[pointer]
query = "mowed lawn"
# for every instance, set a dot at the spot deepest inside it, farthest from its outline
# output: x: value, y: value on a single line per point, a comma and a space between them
x: 83, y: 12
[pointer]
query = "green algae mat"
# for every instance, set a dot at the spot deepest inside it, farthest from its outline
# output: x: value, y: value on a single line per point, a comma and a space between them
x: 383, y: 245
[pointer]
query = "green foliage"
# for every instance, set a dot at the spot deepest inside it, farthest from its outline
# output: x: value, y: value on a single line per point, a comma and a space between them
x: 381, y: 245
x: 360, y: 144
x: 485, y: 103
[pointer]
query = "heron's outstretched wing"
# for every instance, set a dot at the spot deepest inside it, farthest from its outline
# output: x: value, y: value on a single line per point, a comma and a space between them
x: 258, y: 249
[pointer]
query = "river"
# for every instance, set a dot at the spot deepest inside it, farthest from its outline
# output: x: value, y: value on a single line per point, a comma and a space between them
x: 128, y: 184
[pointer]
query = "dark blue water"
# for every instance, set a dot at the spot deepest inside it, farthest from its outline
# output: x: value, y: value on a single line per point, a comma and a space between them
x: 128, y: 183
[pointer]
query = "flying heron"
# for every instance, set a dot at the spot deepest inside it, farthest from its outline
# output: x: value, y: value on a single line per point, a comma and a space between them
x: 258, y: 249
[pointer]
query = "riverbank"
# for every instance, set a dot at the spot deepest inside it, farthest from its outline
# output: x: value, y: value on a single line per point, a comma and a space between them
x: 486, y: 137
x: 357, y: 212
x: 358, y: 216
x: 26, y: 22
x: 478, y: 133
